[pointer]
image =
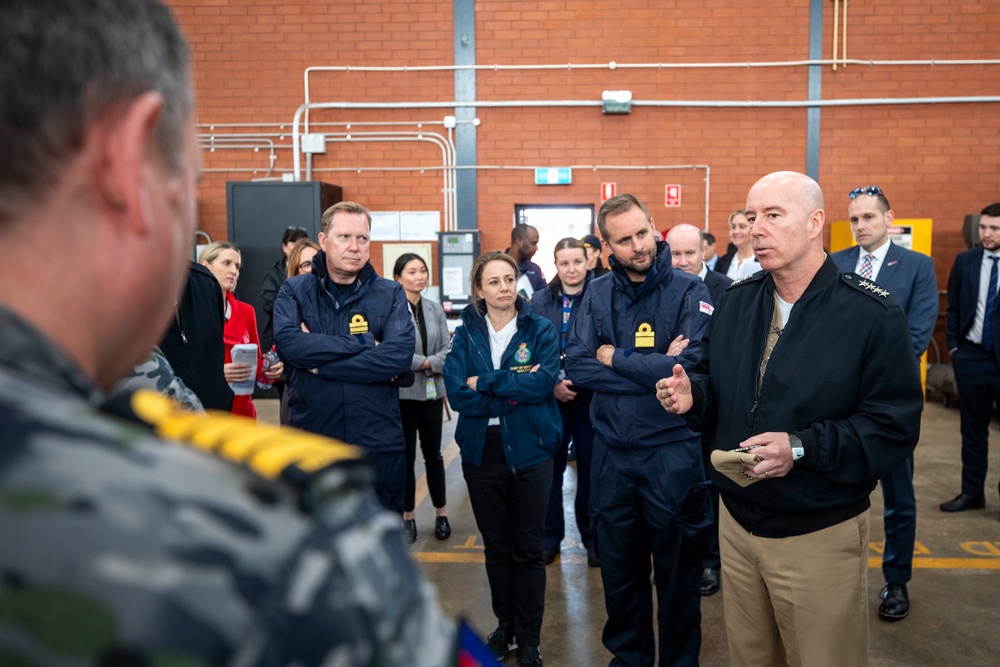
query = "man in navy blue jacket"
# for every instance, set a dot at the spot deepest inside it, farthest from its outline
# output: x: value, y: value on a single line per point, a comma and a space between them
x: 974, y: 346
x: 909, y: 277
x: 647, y: 494
x: 347, y: 335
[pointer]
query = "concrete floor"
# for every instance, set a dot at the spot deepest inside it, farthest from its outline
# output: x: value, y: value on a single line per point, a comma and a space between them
x: 955, y: 591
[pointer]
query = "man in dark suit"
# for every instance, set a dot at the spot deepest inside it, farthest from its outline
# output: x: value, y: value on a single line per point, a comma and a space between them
x: 909, y: 277
x: 974, y: 345
x: 687, y: 247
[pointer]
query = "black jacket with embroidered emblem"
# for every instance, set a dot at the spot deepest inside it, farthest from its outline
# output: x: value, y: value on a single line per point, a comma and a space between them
x: 841, y: 377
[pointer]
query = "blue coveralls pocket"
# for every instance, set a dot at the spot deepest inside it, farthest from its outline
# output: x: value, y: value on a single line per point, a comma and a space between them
x: 696, y: 518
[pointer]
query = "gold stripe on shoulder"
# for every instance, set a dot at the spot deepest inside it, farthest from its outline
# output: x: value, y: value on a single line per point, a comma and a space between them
x: 265, y: 449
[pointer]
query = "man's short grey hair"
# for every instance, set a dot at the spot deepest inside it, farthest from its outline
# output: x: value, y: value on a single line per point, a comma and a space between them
x: 64, y: 64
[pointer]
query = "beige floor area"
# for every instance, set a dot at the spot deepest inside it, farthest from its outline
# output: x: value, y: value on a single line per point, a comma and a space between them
x: 955, y: 591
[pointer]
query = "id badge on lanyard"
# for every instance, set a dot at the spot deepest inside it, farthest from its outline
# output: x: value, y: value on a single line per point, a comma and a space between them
x: 430, y: 388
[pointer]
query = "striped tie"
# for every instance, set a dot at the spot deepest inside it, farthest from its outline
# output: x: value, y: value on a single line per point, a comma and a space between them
x: 866, y: 267
x: 991, y: 302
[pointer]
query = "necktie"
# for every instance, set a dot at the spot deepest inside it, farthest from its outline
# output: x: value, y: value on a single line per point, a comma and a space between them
x: 991, y: 302
x: 866, y: 267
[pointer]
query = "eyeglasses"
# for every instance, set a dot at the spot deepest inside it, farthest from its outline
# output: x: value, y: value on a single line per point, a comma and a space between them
x: 871, y: 191
x: 305, y: 265
x: 290, y: 227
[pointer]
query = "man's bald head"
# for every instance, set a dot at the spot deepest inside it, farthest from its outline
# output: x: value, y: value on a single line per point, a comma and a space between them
x: 785, y: 210
x: 686, y: 245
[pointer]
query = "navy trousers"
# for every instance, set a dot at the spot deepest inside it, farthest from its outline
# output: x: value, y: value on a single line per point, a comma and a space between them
x: 638, y: 498
x: 576, y: 426
x: 390, y: 479
x: 900, y: 523
x: 978, y: 381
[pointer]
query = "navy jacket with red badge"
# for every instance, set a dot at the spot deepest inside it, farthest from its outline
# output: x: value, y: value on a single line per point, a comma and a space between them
x: 349, y: 396
x: 842, y: 377
x: 530, y: 424
x: 640, y: 323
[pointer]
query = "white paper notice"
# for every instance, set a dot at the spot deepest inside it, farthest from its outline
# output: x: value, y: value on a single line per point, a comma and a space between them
x: 385, y: 225
x: 419, y: 225
x: 453, y: 283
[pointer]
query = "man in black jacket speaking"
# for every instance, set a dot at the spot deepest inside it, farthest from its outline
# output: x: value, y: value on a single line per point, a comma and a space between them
x: 810, y: 370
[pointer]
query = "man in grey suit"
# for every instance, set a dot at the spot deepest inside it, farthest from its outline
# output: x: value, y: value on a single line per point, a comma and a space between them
x: 909, y: 277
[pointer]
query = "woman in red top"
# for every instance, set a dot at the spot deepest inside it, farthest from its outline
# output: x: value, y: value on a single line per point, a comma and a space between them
x: 223, y: 260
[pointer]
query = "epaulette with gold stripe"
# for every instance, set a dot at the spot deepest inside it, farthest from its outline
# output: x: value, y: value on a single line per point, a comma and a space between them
x: 275, y: 453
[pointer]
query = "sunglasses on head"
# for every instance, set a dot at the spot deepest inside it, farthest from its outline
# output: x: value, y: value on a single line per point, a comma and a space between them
x: 871, y: 190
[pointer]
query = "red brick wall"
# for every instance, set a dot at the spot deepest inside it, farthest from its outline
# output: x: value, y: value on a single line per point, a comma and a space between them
x: 937, y: 161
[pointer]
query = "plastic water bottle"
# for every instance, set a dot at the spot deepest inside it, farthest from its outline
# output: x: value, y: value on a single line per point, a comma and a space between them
x: 270, y: 359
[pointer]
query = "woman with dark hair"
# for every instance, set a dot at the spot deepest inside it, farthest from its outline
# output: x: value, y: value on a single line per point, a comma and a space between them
x: 558, y: 303
x: 500, y: 372
x: 224, y: 261
x: 421, y: 405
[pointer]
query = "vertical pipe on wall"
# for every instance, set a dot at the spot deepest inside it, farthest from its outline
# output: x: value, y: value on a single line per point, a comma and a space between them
x: 836, y: 24
x: 466, y: 203
x: 815, y: 87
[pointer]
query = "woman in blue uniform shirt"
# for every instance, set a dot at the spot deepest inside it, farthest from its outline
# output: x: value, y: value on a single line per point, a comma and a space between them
x: 499, y: 376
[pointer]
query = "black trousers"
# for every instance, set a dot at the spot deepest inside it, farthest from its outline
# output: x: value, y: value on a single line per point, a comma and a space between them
x: 423, y: 417
x: 510, y: 514
x: 389, y: 479
x: 978, y: 381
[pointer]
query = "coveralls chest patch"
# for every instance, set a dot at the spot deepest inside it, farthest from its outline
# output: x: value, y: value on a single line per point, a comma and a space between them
x: 359, y: 325
x: 645, y: 336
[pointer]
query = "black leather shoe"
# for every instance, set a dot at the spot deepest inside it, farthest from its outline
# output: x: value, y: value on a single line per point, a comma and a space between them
x: 895, y: 602
x: 593, y: 560
x: 442, y: 529
x: 529, y: 655
x: 497, y: 642
x: 962, y: 502
x: 549, y: 555
x: 409, y: 531
x: 709, y: 581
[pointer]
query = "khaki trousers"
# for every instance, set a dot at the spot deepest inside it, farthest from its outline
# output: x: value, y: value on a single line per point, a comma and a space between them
x: 799, y: 601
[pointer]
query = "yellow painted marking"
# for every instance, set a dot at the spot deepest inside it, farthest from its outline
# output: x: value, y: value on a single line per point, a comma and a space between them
x: 946, y: 563
x: 982, y: 548
x: 918, y: 548
x: 470, y: 543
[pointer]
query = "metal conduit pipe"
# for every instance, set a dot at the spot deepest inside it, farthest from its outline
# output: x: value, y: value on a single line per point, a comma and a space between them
x: 236, y: 142
x: 447, y: 157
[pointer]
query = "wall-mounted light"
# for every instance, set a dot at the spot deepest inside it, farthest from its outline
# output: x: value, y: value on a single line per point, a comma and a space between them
x: 616, y: 101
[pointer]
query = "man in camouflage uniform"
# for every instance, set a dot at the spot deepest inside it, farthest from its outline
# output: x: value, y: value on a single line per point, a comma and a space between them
x: 118, y: 546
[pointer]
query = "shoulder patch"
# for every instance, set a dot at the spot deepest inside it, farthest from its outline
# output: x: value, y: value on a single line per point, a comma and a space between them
x: 865, y: 286
x: 752, y: 278
x: 276, y: 453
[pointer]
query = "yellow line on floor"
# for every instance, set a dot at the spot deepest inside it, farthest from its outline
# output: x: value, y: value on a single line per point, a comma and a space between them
x: 873, y: 563
x: 947, y: 563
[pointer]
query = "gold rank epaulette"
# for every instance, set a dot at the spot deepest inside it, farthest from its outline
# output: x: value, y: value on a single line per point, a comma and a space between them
x: 275, y: 453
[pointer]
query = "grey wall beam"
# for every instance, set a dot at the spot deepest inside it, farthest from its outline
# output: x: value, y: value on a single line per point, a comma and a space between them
x: 465, y: 134
x: 815, y: 87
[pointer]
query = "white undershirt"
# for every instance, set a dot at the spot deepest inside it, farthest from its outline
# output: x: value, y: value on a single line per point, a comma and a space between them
x: 499, y: 340
x: 785, y: 308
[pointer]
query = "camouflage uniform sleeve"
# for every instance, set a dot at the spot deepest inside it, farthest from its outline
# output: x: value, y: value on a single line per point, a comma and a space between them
x: 156, y: 373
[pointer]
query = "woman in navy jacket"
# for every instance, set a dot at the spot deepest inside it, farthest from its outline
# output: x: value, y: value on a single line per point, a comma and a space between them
x: 558, y: 304
x: 499, y: 376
